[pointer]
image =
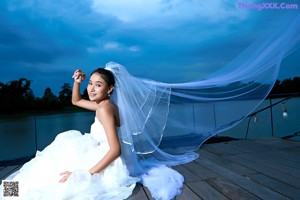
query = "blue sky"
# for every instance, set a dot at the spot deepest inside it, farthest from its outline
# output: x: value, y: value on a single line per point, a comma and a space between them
x: 164, y: 40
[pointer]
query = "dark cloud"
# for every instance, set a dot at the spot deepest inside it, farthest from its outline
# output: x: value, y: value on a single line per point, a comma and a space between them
x: 32, y: 40
x: 49, y: 39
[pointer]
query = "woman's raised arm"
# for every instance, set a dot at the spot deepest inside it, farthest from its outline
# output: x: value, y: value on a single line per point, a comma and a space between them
x: 77, y: 100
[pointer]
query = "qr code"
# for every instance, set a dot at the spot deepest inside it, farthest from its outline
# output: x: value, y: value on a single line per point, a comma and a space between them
x: 10, y: 188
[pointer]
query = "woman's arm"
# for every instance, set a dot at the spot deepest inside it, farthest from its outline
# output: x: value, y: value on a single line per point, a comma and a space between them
x: 79, y: 76
x: 106, y: 116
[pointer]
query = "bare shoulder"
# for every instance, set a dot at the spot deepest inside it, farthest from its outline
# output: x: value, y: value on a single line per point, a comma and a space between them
x: 108, y: 109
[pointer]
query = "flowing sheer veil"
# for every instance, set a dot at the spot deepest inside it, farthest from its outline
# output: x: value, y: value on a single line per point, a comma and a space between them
x: 166, y: 123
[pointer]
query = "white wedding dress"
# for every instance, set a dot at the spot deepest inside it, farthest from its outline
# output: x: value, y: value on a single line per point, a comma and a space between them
x: 72, y: 151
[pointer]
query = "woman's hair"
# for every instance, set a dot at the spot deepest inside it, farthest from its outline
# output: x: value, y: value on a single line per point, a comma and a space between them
x: 106, y: 75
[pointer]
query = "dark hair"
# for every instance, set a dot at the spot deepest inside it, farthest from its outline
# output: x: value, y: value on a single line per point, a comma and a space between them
x: 106, y: 75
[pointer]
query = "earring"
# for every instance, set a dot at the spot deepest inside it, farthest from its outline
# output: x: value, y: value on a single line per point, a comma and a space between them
x: 108, y: 94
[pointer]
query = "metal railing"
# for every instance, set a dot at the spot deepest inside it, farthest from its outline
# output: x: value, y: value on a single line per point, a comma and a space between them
x: 254, y: 114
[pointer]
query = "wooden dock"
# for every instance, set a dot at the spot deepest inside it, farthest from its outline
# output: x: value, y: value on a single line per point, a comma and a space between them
x: 246, y: 169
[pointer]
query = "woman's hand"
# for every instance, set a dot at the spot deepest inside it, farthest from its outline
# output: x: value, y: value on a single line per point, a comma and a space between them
x: 78, y: 76
x: 66, y: 175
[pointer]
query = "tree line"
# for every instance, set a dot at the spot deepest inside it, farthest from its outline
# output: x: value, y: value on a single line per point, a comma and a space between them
x: 16, y: 96
x: 287, y: 86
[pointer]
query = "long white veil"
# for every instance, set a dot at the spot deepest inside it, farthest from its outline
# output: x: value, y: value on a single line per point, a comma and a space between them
x: 166, y: 123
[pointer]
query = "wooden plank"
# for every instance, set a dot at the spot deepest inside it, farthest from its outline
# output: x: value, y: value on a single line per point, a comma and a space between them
x: 282, y: 154
x: 291, y: 155
x: 189, y: 176
x: 200, y: 171
x: 264, y: 169
x: 187, y: 194
x: 281, y: 148
x: 138, y: 194
x: 276, y: 185
x: 205, y: 191
x: 231, y: 190
x: 221, y: 149
x: 278, y: 156
x: 279, y: 143
x: 289, y: 150
x: 274, y: 162
x: 223, y: 160
x: 243, y: 146
x: 147, y: 192
x: 244, y: 182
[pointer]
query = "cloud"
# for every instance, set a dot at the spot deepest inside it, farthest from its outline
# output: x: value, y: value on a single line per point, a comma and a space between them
x: 27, y: 39
x: 167, y: 40
x: 156, y: 11
x: 134, y: 48
x: 77, y: 28
x: 111, y: 46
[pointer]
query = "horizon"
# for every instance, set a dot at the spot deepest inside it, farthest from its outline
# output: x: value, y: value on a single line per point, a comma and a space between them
x: 83, y: 88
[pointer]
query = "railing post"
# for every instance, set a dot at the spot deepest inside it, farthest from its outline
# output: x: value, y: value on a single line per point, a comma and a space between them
x: 271, y: 113
x: 35, y: 133
x: 248, y: 127
x: 215, y: 115
x: 194, y: 120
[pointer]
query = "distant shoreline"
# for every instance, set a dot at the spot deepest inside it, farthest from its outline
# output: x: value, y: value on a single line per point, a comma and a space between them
x: 45, y: 112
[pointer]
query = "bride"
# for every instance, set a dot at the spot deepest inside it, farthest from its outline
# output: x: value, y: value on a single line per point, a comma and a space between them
x: 91, y: 166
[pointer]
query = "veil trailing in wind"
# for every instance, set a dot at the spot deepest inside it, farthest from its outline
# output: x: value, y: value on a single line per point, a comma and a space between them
x: 166, y: 123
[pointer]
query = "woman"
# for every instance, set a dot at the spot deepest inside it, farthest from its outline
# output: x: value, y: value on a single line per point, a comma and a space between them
x: 76, y: 166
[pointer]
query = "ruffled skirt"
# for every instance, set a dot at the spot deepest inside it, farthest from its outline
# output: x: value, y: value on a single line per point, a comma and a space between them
x: 71, y: 151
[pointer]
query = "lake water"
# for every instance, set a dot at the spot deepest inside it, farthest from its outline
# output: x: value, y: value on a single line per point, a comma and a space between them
x: 21, y: 136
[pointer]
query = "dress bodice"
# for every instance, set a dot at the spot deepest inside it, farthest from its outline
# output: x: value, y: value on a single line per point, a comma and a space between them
x: 98, y: 132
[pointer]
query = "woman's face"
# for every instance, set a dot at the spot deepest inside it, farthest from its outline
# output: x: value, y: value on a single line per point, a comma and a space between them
x: 98, y: 88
